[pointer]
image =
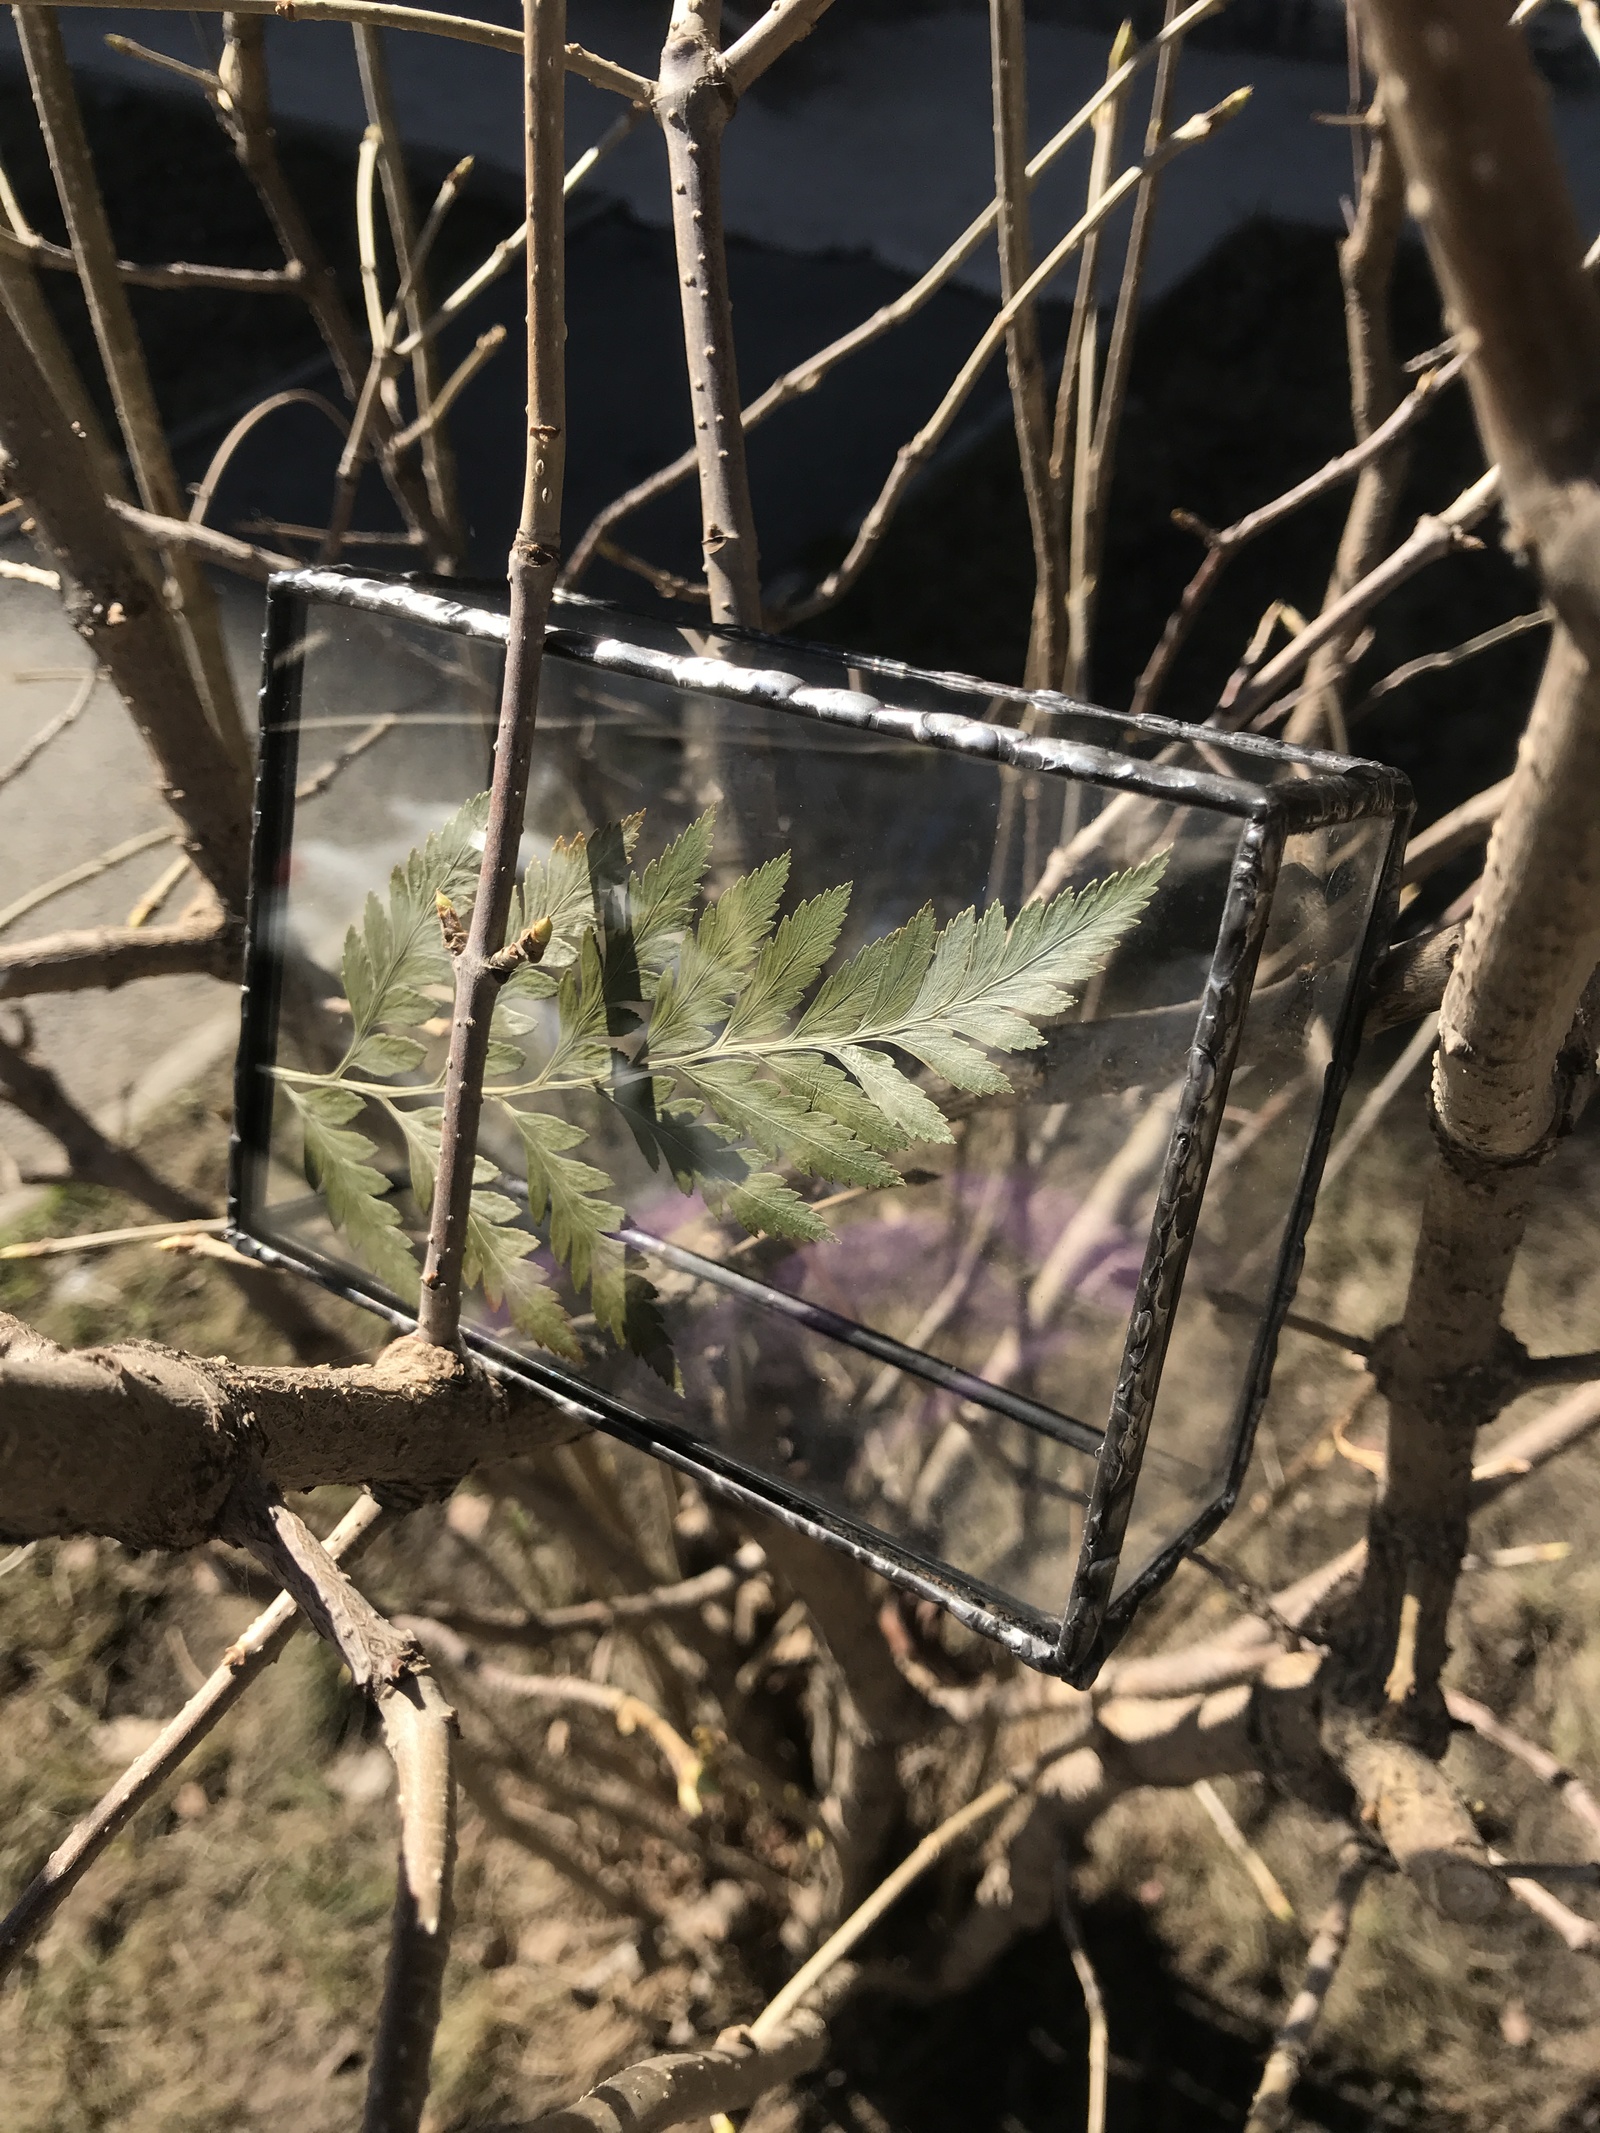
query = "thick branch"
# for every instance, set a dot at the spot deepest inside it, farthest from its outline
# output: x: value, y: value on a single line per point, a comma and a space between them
x: 144, y: 1445
x: 120, y: 617
x: 681, y: 2087
x: 100, y: 958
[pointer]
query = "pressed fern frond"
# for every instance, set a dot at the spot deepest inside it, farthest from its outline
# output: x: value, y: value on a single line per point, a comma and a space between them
x: 693, y: 1025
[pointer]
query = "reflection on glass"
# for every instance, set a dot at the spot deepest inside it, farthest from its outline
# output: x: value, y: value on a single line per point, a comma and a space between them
x: 829, y: 1104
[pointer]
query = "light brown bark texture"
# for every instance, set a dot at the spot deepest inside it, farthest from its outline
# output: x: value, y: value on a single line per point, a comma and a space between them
x: 144, y: 1445
x: 694, y: 101
x: 114, y: 608
x: 1472, y: 125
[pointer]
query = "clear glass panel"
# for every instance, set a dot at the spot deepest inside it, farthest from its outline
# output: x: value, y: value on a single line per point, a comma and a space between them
x: 939, y: 1369
x: 1320, y: 914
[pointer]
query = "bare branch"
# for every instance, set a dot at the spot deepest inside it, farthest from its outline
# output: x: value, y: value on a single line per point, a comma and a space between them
x: 295, y: 396
x: 179, y: 274
x: 158, y: 1439
x: 176, y: 533
x: 1264, y: 1881
x: 48, y: 732
x: 807, y: 375
x: 1434, y: 536
x: 1411, y: 978
x: 103, y: 1240
x: 1093, y: 2000
x: 1457, y: 655
x: 100, y: 958
x: 1366, y: 270
x: 913, y: 455
x: 120, y: 616
x: 398, y: 15
x: 535, y: 557
x: 784, y: 24
x: 1024, y: 361
x: 1270, y: 2109
x: 90, y: 870
x: 1220, y: 547
x: 418, y: 1729
x: 1077, y: 398
x: 629, y: 1712
x: 245, y: 1660
x: 427, y: 423
x: 694, y: 101
x: 681, y: 2086
x: 1459, y: 831
x: 123, y: 357
x: 539, y: 1625
x: 1571, y: 1791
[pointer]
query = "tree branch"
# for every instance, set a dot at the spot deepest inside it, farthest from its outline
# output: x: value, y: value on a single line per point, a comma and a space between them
x: 535, y: 557
x: 1270, y: 2109
x: 694, y: 101
x: 245, y: 1660
x: 144, y: 1445
x: 122, y: 355
x: 100, y: 958
x: 682, y: 2086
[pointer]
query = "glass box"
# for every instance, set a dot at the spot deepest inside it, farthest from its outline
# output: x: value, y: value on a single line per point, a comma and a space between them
x: 913, y: 1123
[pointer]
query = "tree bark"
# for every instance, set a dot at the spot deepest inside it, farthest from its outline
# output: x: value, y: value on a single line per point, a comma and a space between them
x: 1472, y: 125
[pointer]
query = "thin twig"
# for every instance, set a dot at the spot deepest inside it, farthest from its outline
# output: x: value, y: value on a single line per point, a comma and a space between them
x: 1093, y: 2000
x: 1569, y: 1789
x: 438, y: 459
x: 928, y: 1853
x: 1434, y: 536
x: 296, y: 396
x: 244, y: 1661
x: 242, y: 556
x: 103, y: 1240
x: 318, y: 780
x: 451, y: 390
x: 807, y: 375
x: 1378, y: 1100
x: 509, y: 249
x: 90, y: 870
x: 1024, y: 359
x: 1284, y: 2066
x: 629, y: 1713
x: 1077, y: 400
x: 174, y: 274
x: 159, y: 890
x: 399, y: 15
x: 1459, y: 831
x: 913, y: 455
x: 1457, y: 655
x: 1265, y: 1881
x: 535, y: 558
x: 1119, y: 349
x: 539, y: 1625
x: 1222, y: 546
x: 51, y: 728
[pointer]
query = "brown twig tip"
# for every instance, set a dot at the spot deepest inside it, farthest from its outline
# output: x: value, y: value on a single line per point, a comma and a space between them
x: 455, y: 934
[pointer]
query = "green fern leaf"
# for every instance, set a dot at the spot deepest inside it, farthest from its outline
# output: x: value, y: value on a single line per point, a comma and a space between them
x: 766, y: 1206
x: 761, y: 1111
x: 786, y: 965
x: 494, y: 1259
x: 821, y: 1086
x: 571, y: 1191
x: 398, y: 950
x: 339, y: 1165
x: 560, y: 889
x: 660, y: 899
x: 627, y: 1306
x: 876, y: 987
x: 896, y: 1096
x: 694, y: 992
x: 386, y: 1054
